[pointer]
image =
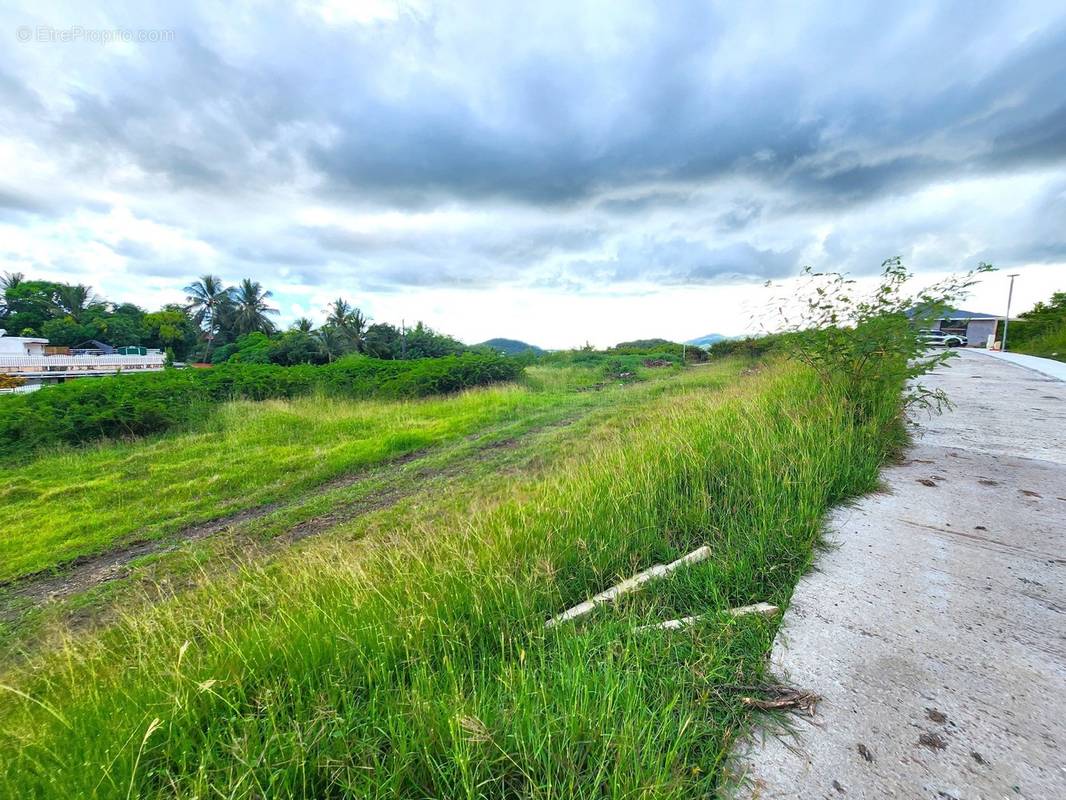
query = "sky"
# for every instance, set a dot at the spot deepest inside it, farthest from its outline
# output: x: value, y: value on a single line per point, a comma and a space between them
x: 557, y: 172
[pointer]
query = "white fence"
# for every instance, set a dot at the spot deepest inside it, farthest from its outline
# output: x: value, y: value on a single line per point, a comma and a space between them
x: 78, y: 366
x: 32, y: 387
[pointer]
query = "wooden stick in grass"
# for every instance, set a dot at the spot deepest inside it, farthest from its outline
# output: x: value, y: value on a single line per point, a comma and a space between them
x: 629, y: 585
x: 762, y: 609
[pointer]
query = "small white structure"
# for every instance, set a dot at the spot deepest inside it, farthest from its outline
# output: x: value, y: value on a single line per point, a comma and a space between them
x: 23, y: 346
x: 25, y: 357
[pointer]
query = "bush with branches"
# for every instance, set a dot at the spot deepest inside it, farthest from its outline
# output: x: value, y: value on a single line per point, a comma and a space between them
x: 867, y: 346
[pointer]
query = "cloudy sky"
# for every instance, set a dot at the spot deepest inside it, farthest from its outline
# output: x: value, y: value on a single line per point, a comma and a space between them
x: 556, y: 172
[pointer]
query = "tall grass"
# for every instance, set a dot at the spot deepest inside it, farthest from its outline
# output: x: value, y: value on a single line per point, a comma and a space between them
x: 81, y: 411
x: 562, y: 378
x: 419, y: 666
x: 1051, y: 344
x: 77, y: 502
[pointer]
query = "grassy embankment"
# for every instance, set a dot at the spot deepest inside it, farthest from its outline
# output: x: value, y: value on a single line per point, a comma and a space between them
x: 1041, y: 331
x: 82, y: 501
x: 1051, y: 344
x: 76, y: 502
x: 416, y: 664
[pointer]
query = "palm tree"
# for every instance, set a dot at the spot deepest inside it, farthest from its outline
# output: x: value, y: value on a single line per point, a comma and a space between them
x: 330, y: 342
x: 207, y: 300
x: 338, y: 312
x: 303, y: 325
x: 74, y: 301
x: 250, y: 308
x: 349, y: 322
x: 10, y: 281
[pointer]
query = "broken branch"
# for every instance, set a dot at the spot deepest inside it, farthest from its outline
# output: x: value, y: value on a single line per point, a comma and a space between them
x: 780, y: 697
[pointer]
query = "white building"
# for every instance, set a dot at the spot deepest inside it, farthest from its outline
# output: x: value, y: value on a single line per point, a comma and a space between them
x: 20, y: 346
x: 25, y: 357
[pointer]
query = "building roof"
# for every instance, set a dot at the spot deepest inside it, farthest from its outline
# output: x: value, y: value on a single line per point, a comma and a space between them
x: 95, y: 344
x: 960, y: 314
x: 22, y: 338
x: 955, y: 313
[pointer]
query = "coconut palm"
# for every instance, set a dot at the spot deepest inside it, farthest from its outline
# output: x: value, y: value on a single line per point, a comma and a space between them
x: 207, y: 301
x: 250, y: 309
x: 337, y: 312
x: 330, y: 342
x: 10, y: 280
x: 303, y: 325
x: 349, y: 322
x: 74, y: 301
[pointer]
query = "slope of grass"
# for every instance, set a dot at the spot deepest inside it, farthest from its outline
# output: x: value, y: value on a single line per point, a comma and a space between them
x: 417, y: 665
x: 1041, y: 331
x: 478, y: 466
x: 78, y: 502
x: 1048, y: 345
x: 81, y: 501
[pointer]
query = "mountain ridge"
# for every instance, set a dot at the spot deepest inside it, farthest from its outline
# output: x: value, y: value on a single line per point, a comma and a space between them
x: 706, y: 340
x: 511, y: 347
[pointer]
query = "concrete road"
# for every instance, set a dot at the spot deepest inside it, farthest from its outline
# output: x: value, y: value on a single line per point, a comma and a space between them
x: 1045, y: 366
x: 935, y: 629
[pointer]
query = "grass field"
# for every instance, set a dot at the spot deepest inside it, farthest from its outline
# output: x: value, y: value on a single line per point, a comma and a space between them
x: 411, y: 660
x: 80, y: 501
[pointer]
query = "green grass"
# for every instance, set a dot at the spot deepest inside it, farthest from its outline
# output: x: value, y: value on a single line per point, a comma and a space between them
x: 415, y: 663
x: 1049, y: 345
x: 82, y: 501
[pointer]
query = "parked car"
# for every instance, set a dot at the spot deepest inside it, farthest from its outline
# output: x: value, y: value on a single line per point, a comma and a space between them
x: 941, y: 339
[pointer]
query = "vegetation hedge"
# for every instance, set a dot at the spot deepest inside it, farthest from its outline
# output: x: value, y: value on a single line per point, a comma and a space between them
x: 89, y: 409
x: 663, y: 349
x: 749, y: 346
x: 1042, y: 330
x: 610, y: 363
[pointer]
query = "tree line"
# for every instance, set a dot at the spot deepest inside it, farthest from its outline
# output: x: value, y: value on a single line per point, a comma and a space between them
x: 216, y: 323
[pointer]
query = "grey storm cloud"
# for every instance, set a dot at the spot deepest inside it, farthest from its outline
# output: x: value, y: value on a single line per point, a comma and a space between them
x: 13, y: 201
x: 681, y: 261
x: 477, y: 257
x: 689, y: 144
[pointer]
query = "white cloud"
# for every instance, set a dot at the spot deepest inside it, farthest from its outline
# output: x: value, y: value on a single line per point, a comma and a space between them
x: 556, y: 172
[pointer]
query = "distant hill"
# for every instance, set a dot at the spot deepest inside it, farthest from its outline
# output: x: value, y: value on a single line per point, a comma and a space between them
x: 708, y: 340
x: 644, y: 344
x: 511, y: 347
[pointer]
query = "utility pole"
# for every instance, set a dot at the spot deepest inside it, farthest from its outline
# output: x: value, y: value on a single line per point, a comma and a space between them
x: 403, y: 338
x: 1006, y: 319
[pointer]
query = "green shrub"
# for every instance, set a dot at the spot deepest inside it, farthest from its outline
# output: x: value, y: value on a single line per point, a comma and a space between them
x: 662, y: 349
x: 629, y: 360
x: 749, y: 346
x: 1041, y: 331
x: 89, y: 409
x: 1048, y: 345
x: 867, y: 346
